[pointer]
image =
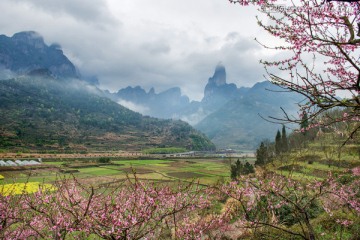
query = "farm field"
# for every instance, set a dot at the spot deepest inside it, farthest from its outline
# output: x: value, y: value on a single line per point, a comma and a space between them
x: 206, y: 171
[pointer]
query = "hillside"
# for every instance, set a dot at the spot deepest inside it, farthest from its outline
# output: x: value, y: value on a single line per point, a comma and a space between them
x: 309, y: 188
x: 240, y: 123
x: 40, y: 113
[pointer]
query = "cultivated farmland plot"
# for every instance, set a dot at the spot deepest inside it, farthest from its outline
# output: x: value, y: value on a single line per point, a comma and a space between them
x: 206, y: 171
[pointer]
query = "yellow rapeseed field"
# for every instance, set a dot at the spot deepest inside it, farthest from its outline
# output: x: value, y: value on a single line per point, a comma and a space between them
x: 24, y: 188
x: 1, y: 177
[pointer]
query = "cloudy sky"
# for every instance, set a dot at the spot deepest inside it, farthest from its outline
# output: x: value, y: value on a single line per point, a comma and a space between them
x: 157, y: 43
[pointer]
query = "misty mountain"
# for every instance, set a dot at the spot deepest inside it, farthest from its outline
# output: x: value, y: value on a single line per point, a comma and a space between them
x: 45, y: 104
x: 165, y: 104
x: 217, y: 92
x: 231, y: 117
x: 241, y: 124
x: 172, y: 104
x: 43, y: 113
x: 27, y: 51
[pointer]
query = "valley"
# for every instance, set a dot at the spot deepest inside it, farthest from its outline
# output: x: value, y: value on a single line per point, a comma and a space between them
x: 81, y: 162
x: 230, y: 116
x: 315, y: 165
x: 206, y: 170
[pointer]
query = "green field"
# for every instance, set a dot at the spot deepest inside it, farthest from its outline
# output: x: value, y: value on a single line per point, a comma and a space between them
x: 207, y: 171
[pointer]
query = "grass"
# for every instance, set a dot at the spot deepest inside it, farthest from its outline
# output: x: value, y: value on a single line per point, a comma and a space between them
x: 142, y: 162
x: 154, y: 176
x: 311, y: 165
x: 185, y: 175
x: 98, y: 171
x: 297, y: 175
x: 322, y: 166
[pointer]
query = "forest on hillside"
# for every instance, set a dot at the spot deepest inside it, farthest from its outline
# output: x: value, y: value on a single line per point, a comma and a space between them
x: 41, y: 113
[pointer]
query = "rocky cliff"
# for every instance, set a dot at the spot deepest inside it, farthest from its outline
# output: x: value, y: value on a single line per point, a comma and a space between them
x: 25, y: 52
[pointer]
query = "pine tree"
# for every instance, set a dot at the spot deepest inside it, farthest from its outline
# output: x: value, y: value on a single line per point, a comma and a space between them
x: 248, y: 168
x: 239, y: 167
x: 278, y: 143
x: 304, y: 124
x: 284, y: 140
x: 261, y: 155
x: 233, y: 172
x: 236, y: 169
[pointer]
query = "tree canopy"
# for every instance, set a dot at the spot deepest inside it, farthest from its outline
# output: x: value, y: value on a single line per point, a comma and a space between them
x: 320, y: 55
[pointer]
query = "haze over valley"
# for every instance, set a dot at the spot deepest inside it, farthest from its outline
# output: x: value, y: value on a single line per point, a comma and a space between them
x: 46, y: 104
x: 229, y: 116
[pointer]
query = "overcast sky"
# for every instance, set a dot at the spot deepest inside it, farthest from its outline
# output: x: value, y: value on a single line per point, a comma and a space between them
x: 157, y: 43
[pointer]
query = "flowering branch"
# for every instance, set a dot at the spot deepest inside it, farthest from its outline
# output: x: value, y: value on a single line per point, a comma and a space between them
x: 324, y: 31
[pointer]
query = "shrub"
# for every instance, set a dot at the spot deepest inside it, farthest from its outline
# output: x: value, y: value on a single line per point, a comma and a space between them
x: 104, y: 160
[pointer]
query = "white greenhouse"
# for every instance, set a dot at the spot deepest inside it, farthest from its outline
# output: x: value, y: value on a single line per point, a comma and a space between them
x: 18, y: 162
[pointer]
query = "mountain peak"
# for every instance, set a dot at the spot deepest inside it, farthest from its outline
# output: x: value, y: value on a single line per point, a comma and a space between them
x: 30, y: 38
x: 151, y: 91
x: 217, y: 90
x: 26, y: 51
x: 219, y: 77
x: 27, y: 35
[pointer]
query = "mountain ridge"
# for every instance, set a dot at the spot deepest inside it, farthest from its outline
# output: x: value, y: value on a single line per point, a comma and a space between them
x: 243, y: 122
x: 27, y: 51
x: 229, y: 115
x: 224, y: 113
x: 46, y: 105
x: 41, y: 113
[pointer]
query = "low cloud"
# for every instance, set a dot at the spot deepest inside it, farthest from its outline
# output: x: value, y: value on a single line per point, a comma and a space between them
x: 195, y: 118
x: 157, y: 47
x: 95, y: 12
x: 134, y: 107
x: 158, y: 44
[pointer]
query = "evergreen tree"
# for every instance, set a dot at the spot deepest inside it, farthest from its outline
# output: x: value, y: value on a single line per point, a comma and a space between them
x: 233, y: 172
x: 239, y: 167
x: 261, y: 155
x: 304, y: 124
x: 278, y: 143
x: 248, y: 168
x: 236, y: 169
x: 284, y: 140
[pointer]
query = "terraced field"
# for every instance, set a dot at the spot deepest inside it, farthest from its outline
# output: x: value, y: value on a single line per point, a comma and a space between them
x: 315, y: 166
